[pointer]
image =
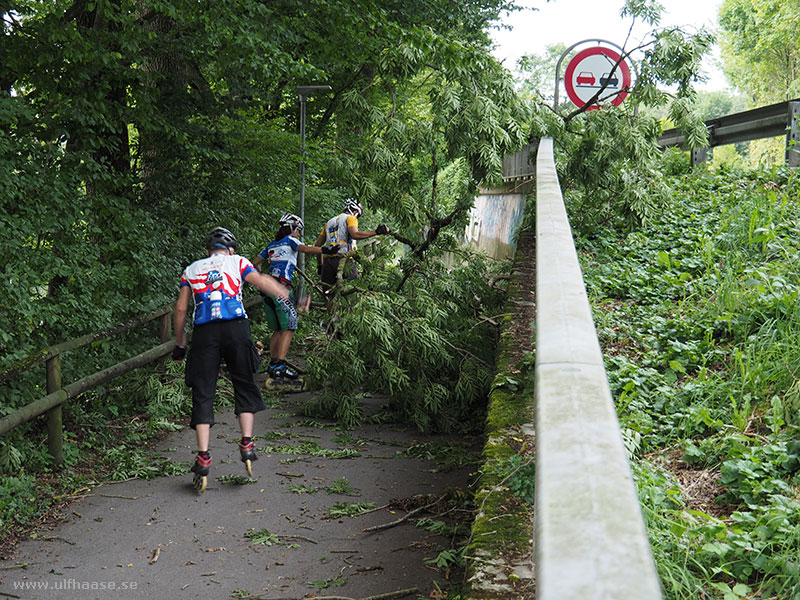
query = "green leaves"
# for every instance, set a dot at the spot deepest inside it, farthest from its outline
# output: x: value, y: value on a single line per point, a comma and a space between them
x: 423, y: 348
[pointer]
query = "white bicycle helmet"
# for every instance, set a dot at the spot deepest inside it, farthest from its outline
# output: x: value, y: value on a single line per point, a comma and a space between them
x: 293, y: 221
x: 352, y: 206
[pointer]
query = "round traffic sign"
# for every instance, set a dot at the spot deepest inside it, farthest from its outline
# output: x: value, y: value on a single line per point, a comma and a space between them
x: 589, y: 69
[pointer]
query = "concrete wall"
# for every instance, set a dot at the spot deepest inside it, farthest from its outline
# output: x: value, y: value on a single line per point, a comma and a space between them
x: 494, y: 222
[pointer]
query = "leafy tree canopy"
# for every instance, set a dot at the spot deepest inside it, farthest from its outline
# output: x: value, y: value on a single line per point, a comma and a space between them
x: 761, y: 49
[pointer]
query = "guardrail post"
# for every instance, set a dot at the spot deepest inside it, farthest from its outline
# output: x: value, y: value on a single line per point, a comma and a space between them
x: 165, y: 327
x: 793, y: 136
x: 55, y: 430
x: 699, y: 156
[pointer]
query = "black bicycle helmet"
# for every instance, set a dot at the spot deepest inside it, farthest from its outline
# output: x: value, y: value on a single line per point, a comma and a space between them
x: 220, y: 238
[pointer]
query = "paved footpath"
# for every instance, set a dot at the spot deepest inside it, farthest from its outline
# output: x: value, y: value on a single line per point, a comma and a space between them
x: 160, y: 539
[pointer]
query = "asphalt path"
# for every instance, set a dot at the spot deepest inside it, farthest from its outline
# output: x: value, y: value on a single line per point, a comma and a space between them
x: 161, y: 539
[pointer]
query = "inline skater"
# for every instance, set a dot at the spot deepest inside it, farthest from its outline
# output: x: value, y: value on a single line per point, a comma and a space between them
x: 221, y: 330
x: 339, y: 237
x: 281, y: 257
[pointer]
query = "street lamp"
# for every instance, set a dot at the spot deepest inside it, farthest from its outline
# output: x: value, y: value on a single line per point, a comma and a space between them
x: 304, y: 91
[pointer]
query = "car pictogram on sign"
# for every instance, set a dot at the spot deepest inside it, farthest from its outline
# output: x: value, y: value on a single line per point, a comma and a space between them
x: 612, y: 80
x: 585, y: 78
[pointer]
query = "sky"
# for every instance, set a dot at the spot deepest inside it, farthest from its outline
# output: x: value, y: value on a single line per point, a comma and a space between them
x: 570, y: 21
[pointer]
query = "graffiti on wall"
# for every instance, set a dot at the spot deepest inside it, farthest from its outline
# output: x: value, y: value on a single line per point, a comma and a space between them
x: 493, y: 223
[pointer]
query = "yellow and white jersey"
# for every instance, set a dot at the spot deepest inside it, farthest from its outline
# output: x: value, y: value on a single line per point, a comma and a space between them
x: 336, y: 232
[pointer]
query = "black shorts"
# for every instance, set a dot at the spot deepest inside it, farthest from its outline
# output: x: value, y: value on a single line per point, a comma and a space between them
x: 211, y: 343
x: 330, y: 268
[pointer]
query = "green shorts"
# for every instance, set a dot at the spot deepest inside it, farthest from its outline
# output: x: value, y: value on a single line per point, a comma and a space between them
x: 281, y: 314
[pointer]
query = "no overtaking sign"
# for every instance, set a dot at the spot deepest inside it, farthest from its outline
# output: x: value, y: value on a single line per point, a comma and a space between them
x: 589, y: 69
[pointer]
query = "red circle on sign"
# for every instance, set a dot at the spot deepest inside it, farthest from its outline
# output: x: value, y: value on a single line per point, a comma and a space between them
x: 613, y: 56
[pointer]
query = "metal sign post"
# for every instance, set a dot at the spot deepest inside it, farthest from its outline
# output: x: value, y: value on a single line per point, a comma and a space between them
x: 304, y: 92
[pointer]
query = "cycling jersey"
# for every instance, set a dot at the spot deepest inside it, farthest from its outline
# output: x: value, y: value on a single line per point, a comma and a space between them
x: 282, y: 257
x: 336, y: 232
x: 216, y: 284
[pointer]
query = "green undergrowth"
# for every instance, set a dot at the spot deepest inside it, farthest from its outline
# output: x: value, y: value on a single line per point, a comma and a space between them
x: 699, y: 319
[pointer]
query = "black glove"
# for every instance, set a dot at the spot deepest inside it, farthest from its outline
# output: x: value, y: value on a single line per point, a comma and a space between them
x: 330, y: 249
x: 381, y: 229
x: 178, y: 353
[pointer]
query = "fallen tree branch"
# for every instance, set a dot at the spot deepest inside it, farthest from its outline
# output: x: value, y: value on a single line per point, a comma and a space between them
x: 402, y: 519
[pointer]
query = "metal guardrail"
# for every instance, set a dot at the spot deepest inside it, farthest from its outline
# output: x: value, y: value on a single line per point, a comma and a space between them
x: 591, y: 542
x: 57, y: 393
x: 765, y: 122
x: 520, y: 165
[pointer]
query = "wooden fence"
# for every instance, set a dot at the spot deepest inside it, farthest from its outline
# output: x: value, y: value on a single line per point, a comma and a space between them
x: 57, y: 393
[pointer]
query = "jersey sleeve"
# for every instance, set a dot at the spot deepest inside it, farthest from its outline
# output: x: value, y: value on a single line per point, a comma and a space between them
x: 184, y: 281
x: 294, y: 243
x: 246, y: 267
x: 264, y: 254
x: 352, y: 220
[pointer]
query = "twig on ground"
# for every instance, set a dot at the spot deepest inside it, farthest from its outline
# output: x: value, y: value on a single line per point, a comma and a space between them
x: 402, y: 519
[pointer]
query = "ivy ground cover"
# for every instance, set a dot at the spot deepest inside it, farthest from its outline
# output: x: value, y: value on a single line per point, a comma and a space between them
x: 698, y: 317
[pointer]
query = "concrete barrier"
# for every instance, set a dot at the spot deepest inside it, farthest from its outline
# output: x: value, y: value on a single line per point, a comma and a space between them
x: 590, y: 538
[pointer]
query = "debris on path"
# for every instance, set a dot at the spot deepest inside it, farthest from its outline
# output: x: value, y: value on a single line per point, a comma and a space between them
x: 318, y: 503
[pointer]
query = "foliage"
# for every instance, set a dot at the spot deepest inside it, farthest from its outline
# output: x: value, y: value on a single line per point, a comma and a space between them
x: 264, y: 537
x: 447, y: 456
x: 428, y: 349
x: 343, y: 509
x: 518, y: 474
x: 760, y: 48
x: 341, y: 485
x: 537, y: 74
x: 697, y: 314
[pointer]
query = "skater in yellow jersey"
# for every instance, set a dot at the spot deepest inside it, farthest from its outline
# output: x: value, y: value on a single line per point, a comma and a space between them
x: 339, y: 235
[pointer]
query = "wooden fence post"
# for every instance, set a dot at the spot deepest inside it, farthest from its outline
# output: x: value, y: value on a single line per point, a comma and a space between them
x: 165, y: 328
x: 55, y: 435
x: 793, y: 136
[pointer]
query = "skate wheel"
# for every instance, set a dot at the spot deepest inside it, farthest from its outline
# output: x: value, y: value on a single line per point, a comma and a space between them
x: 249, y: 464
x: 200, y: 483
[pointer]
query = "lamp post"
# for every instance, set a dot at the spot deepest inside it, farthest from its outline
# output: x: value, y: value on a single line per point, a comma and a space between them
x: 304, y: 92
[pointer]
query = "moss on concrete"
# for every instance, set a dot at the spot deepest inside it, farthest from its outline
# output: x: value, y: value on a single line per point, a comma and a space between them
x: 500, y: 547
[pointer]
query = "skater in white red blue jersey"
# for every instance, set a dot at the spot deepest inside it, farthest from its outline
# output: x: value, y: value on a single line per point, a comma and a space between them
x: 221, y: 330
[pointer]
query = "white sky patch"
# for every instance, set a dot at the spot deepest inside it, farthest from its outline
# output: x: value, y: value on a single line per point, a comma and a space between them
x: 570, y: 21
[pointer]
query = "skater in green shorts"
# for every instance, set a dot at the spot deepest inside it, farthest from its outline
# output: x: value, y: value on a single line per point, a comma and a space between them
x: 281, y: 256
